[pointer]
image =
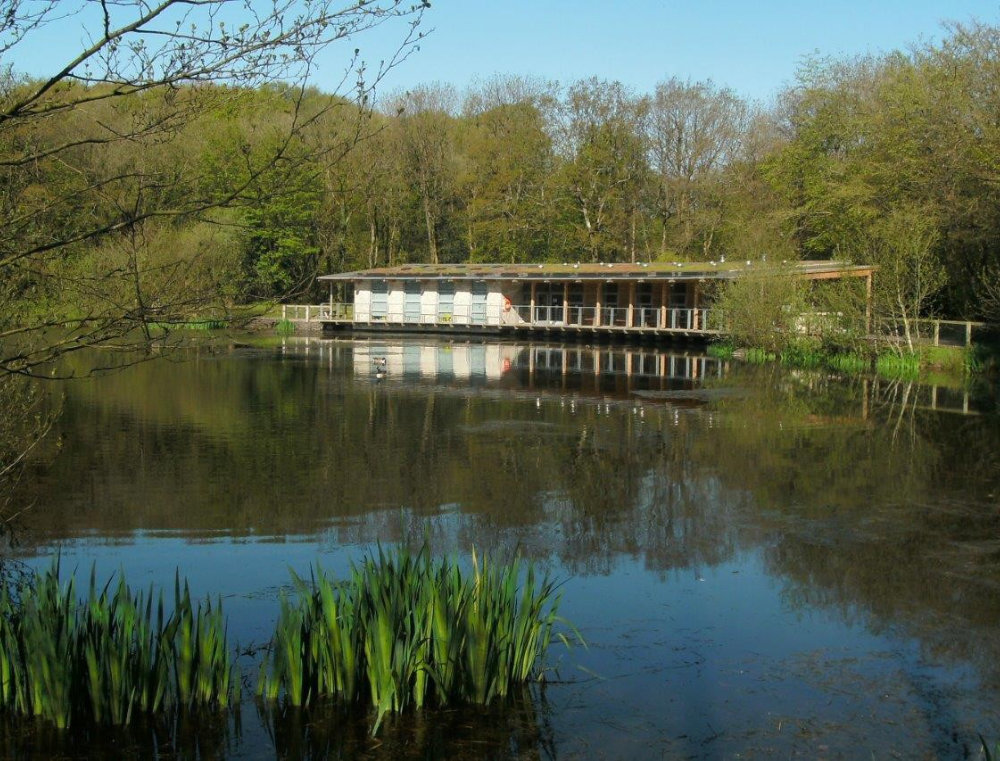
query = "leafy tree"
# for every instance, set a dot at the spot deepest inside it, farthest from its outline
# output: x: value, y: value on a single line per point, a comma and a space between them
x: 507, y: 161
x: 694, y: 131
x: 96, y: 150
x: 903, y: 245
x: 427, y: 135
x: 604, y: 167
x: 763, y: 307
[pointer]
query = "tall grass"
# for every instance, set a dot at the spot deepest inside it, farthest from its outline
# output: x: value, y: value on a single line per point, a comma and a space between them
x: 848, y: 363
x: 898, y: 366
x: 757, y: 356
x: 284, y: 327
x: 721, y: 350
x: 405, y: 630
x: 110, y: 656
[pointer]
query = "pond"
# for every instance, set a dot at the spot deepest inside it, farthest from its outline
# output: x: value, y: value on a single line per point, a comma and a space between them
x: 762, y: 562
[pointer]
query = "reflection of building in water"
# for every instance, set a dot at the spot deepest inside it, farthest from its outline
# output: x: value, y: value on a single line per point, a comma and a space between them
x: 512, y: 366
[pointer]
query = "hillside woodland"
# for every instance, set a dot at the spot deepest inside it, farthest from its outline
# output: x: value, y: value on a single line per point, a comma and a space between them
x: 149, y: 186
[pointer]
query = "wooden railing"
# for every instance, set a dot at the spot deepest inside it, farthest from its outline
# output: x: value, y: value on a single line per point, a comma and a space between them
x: 316, y: 312
x: 525, y: 316
x: 938, y: 332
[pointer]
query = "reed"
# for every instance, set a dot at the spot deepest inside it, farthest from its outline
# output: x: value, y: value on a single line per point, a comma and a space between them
x: 898, y: 366
x: 284, y: 327
x: 756, y: 356
x: 802, y: 355
x: 848, y: 363
x: 110, y: 656
x: 405, y: 630
x: 721, y: 350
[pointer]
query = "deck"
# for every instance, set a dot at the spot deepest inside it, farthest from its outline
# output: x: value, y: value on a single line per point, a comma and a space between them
x: 519, y: 319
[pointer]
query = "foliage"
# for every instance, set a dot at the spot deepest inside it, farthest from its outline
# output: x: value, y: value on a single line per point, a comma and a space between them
x: 848, y: 363
x: 105, y: 164
x: 720, y: 350
x: 111, y: 656
x: 904, y: 366
x: 406, y: 631
x: 763, y: 307
x: 177, y: 189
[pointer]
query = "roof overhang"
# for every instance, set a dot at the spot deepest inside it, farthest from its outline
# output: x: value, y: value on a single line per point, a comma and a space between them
x: 651, y: 272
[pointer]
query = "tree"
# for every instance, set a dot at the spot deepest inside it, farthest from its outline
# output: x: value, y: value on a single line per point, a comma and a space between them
x: 507, y: 160
x: 95, y: 152
x: 426, y: 123
x: 903, y: 245
x: 694, y: 131
x: 763, y: 307
x: 604, y: 167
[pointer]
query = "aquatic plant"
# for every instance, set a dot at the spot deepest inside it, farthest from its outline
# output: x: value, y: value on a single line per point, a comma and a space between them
x: 721, y: 350
x: 284, y: 327
x: 406, y: 630
x: 757, y: 356
x: 110, y: 656
x: 901, y: 366
x: 802, y: 354
x: 848, y: 363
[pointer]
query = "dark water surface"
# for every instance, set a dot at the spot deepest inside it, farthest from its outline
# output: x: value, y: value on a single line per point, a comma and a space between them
x: 763, y: 563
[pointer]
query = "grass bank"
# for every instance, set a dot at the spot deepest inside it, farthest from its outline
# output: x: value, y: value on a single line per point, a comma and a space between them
x: 940, y: 363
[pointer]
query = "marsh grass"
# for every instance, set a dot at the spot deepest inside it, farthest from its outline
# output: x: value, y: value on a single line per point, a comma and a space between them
x: 804, y: 355
x: 110, y: 656
x: 203, y: 326
x: 898, y: 366
x: 848, y: 363
x: 284, y: 327
x: 721, y: 350
x: 407, y: 631
x: 756, y: 356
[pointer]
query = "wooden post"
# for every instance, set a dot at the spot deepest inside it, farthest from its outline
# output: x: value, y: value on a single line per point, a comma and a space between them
x: 695, y: 304
x: 968, y: 334
x: 664, y: 298
x: 531, y: 307
x: 565, y: 318
x: 597, y: 307
x: 937, y: 332
x: 631, y: 305
x: 868, y: 303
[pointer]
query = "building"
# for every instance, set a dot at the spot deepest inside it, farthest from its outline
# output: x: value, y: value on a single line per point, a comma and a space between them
x: 657, y: 298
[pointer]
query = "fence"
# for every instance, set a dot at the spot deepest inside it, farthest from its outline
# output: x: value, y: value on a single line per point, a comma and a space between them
x: 938, y: 332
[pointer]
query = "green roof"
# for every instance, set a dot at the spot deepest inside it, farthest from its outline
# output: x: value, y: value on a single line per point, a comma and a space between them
x: 715, y: 270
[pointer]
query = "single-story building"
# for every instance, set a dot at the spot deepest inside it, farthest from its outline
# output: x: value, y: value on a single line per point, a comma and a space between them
x: 667, y: 298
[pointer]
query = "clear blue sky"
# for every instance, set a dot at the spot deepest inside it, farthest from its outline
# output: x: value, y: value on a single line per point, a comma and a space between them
x: 753, y: 48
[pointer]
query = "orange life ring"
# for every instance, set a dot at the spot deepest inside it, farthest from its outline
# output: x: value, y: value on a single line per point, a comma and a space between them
x: 506, y: 304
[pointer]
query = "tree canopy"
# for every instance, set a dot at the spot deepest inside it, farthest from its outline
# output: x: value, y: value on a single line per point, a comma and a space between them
x: 171, y: 171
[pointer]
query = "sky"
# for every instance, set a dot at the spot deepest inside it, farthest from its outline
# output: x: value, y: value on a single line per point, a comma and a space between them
x: 752, y: 48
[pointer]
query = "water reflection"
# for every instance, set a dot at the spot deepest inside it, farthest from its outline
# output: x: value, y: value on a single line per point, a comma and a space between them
x: 588, y: 370
x: 671, y: 488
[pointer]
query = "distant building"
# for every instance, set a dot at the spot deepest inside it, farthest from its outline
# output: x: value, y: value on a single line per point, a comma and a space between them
x: 658, y: 298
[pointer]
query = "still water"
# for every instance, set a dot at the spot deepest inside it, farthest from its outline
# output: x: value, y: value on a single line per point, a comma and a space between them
x: 763, y: 563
